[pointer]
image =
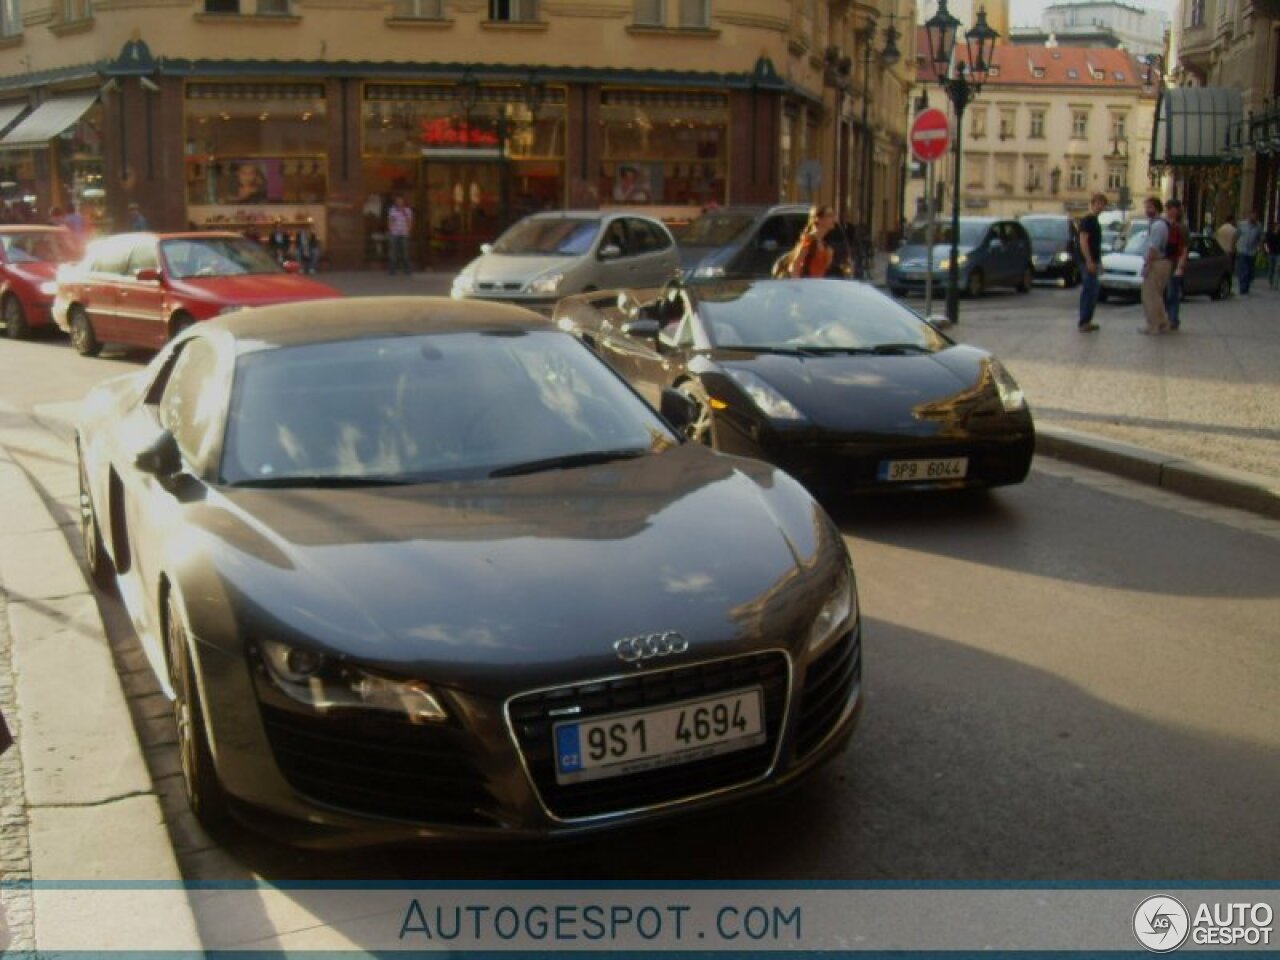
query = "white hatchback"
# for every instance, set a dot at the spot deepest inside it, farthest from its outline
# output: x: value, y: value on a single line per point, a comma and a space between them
x: 547, y: 256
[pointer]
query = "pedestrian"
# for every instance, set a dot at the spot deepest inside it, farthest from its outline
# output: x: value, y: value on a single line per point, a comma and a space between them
x: 1227, y: 235
x: 137, y: 222
x: 57, y: 218
x: 812, y: 254
x: 1090, y: 234
x: 1272, y: 241
x: 278, y: 241
x: 74, y: 221
x: 1247, y: 245
x: 1156, y: 269
x: 399, y: 229
x: 309, y: 248
x: 1177, y: 250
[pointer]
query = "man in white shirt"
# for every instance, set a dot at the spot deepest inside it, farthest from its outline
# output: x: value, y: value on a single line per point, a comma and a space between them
x: 399, y: 229
x: 1156, y: 270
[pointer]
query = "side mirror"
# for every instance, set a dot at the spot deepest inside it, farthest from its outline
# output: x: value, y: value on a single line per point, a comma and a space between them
x: 610, y: 251
x: 147, y: 275
x: 677, y: 409
x: 161, y: 458
x: 642, y: 328
x: 486, y: 248
x: 292, y: 266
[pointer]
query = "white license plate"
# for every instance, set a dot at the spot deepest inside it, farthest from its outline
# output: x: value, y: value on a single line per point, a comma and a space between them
x: 624, y: 743
x: 951, y: 468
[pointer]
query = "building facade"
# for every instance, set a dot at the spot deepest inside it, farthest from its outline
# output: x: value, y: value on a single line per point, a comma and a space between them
x: 1051, y: 127
x: 238, y: 113
x: 1098, y: 23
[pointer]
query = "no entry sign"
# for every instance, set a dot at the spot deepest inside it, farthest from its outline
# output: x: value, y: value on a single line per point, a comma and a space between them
x: 930, y: 135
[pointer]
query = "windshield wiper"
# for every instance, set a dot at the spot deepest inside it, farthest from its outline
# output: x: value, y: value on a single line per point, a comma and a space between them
x: 329, y: 481
x: 782, y: 351
x: 887, y: 349
x: 569, y: 460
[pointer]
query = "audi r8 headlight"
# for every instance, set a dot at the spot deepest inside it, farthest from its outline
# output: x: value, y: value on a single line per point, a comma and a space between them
x: 324, y: 684
x: 770, y: 402
x: 840, y: 610
x: 48, y: 288
x: 1011, y: 395
x: 547, y: 283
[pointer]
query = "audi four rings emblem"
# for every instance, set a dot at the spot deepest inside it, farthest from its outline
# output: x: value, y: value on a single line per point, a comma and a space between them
x: 650, y: 645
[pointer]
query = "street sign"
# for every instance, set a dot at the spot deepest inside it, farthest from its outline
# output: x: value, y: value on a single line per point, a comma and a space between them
x: 930, y: 135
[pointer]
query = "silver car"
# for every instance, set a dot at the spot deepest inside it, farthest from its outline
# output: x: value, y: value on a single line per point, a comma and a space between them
x: 547, y: 256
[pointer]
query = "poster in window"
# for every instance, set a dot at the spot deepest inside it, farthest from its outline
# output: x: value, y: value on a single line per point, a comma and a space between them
x: 256, y: 181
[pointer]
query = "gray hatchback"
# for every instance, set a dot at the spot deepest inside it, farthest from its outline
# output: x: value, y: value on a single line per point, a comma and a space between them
x: 992, y: 253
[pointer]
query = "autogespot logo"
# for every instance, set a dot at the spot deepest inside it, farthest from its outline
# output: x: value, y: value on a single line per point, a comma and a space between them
x: 1161, y: 924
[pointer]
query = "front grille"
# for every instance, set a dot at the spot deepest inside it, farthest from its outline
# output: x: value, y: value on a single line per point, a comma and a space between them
x: 532, y: 720
x: 501, y: 287
x: 379, y: 767
x: 828, y: 685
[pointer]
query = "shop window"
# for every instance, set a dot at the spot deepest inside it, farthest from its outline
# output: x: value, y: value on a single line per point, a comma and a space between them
x: 665, y: 148
x: 11, y: 18
x: 419, y: 9
x: 513, y: 11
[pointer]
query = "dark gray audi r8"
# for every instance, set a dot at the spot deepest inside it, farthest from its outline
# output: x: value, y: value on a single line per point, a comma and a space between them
x: 843, y: 387
x: 428, y: 568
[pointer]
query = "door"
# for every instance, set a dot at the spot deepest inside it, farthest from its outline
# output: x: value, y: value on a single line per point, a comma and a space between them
x: 101, y: 291
x: 465, y: 205
x: 615, y: 266
x: 140, y: 303
x: 653, y: 253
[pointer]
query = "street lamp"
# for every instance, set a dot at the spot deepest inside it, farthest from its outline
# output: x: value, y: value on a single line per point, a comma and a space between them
x: 962, y: 82
x: 889, y: 57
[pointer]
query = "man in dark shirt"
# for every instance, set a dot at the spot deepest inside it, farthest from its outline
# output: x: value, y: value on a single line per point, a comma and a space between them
x: 1090, y: 261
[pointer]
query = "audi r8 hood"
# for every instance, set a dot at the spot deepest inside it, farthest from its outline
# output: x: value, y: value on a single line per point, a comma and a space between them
x: 490, y: 583
x: 916, y: 394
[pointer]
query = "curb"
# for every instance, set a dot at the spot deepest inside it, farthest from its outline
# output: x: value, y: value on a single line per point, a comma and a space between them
x: 93, y: 812
x: 1191, y: 478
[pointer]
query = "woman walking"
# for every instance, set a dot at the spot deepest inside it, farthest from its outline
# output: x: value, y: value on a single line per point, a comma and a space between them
x: 812, y: 255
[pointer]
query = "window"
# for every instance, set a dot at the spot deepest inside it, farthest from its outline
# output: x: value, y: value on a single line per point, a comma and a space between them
x: 10, y: 18
x: 188, y: 408
x: 1117, y: 177
x: 1197, y: 13
x: 651, y: 13
x: 112, y: 258
x: 1037, y: 124
x: 1035, y: 175
x: 418, y: 9
x: 74, y: 10
x: 1007, y: 120
x: 1119, y: 126
x: 695, y: 14
x: 221, y: 6
x: 1073, y: 73
x: 273, y: 8
x: 976, y: 171
x: 1004, y: 173
x: 978, y: 123
x: 692, y: 14
x: 143, y: 257
x: 1079, y: 124
x: 513, y: 11
x: 1077, y: 175
x: 645, y: 237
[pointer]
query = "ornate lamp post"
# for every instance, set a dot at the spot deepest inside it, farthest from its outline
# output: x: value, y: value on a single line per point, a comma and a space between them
x: 888, y: 57
x: 962, y: 82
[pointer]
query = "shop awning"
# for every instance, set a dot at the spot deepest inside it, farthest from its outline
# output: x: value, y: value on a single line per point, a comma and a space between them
x: 1192, y: 126
x: 10, y: 112
x: 47, y: 121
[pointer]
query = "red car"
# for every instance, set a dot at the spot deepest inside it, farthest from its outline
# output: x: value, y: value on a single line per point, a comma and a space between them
x: 29, y: 258
x: 143, y: 289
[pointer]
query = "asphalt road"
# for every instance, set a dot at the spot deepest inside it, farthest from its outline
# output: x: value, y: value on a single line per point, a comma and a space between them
x: 1073, y: 679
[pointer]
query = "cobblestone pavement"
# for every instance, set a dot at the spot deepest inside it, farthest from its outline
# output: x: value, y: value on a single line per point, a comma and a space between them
x: 17, y: 925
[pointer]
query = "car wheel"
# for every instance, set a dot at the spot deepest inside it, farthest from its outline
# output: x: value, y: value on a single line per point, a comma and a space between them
x: 204, y: 792
x: 83, y: 338
x: 15, y: 318
x: 1223, y: 289
x: 179, y: 323
x: 976, y: 284
x: 700, y: 428
x: 95, y: 551
x: 1024, y: 285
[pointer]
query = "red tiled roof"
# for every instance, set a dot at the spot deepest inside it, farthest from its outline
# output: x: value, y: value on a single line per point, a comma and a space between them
x: 1089, y: 67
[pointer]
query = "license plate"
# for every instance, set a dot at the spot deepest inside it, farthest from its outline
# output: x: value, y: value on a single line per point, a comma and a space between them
x: 951, y: 468
x: 624, y: 743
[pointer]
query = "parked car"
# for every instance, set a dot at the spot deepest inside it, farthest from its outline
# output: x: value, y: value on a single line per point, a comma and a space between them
x: 416, y: 568
x: 1055, y: 248
x: 992, y: 253
x: 143, y: 289
x: 550, y: 255
x: 835, y: 382
x: 29, y: 258
x: 1208, y: 269
x: 739, y: 241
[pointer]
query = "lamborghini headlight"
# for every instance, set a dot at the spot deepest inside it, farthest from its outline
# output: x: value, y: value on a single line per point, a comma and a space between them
x: 326, y: 684
x: 770, y: 402
x: 840, y: 610
x: 1011, y: 395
